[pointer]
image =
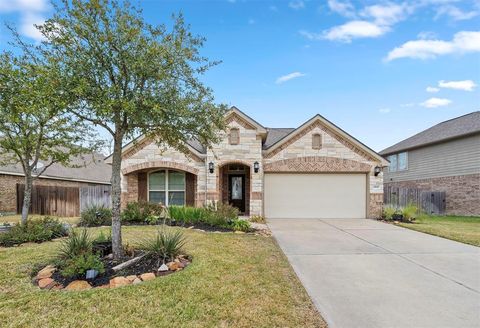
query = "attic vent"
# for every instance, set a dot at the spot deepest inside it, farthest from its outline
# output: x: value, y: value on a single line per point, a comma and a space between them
x: 317, y: 141
x: 234, y: 136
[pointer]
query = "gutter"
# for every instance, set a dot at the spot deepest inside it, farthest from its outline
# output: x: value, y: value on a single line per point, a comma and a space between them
x: 57, y: 178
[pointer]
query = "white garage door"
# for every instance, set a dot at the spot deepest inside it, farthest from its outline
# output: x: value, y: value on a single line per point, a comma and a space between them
x: 315, y: 196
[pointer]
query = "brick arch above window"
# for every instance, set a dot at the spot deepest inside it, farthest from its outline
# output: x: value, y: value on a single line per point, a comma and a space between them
x: 159, y: 165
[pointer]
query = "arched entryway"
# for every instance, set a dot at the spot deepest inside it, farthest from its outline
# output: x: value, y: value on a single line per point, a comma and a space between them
x: 234, y: 183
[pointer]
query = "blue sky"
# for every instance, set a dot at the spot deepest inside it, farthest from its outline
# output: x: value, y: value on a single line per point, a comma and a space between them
x: 381, y: 70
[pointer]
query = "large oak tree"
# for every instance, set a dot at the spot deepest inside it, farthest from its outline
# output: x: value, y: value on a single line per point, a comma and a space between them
x: 132, y: 78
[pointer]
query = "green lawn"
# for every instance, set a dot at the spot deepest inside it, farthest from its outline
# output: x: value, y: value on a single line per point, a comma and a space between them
x: 235, y: 280
x: 459, y: 228
x: 17, y: 218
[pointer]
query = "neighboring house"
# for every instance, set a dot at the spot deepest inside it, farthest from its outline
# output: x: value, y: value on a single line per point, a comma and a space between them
x: 314, y: 171
x: 445, y: 157
x: 90, y: 170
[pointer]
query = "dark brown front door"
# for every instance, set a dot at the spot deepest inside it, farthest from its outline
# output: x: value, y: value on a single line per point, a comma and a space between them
x: 236, y: 191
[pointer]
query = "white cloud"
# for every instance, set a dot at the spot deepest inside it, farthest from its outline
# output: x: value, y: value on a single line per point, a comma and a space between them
x: 344, y: 8
x: 432, y: 89
x: 354, y: 29
x: 466, y: 85
x: 427, y: 35
x: 436, y: 102
x: 296, y: 4
x: 387, y: 13
x: 384, y: 110
x: 31, y: 13
x: 407, y: 105
x: 455, y: 13
x: 463, y: 42
x: 289, y: 77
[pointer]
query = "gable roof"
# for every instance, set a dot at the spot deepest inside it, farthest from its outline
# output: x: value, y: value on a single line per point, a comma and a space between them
x: 235, y: 111
x: 454, y: 128
x: 322, y: 120
x: 92, y: 169
x: 274, y: 135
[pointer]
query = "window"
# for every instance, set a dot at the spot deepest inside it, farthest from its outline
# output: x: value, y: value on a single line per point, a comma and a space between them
x: 317, y: 141
x: 166, y: 187
x: 234, y: 136
x: 398, y: 162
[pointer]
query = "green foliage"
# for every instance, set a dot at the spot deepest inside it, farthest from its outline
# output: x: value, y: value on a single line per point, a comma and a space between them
x: 36, y: 231
x: 142, y: 212
x: 388, y: 212
x: 215, y: 215
x: 188, y: 214
x: 152, y: 219
x: 78, y: 243
x: 95, y: 216
x: 241, y: 225
x: 221, y: 215
x: 165, y: 245
x: 257, y: 219
x: 103, y: 238
x: 409, y: 212
x: 79, y: 265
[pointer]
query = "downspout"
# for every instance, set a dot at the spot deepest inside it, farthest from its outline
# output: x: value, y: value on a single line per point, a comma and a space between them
x: 206, y: 180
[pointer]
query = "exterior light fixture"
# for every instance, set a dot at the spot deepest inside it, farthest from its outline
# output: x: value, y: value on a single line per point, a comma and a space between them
x: 210, y: 167
x: 377, y: 170
x: 256, y: 167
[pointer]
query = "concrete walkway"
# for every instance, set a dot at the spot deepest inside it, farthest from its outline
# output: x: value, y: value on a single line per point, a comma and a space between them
x: 366, y: 274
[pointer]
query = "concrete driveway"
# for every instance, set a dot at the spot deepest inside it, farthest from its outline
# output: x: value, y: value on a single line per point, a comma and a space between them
x: 365, y: 273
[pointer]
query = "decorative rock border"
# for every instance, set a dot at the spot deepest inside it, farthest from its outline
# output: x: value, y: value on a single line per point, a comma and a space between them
x: 44, y: 279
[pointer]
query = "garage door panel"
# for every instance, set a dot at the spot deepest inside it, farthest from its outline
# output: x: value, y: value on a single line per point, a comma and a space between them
x: 313, y: 196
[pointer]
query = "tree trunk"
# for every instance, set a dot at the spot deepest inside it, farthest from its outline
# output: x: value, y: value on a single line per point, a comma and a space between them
x: 27, y: 197
x: 116, y: 197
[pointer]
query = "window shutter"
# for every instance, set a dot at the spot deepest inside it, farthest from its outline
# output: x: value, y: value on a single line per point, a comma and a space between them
x: 234, y: 136
x: 317, y: 141
x: 142, y: 186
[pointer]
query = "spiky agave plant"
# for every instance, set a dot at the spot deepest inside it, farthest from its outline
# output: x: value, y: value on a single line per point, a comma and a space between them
x: 164, y: 246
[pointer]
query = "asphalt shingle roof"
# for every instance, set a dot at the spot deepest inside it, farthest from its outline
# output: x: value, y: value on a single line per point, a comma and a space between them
x: 274, y: 135
x: 457, y: 127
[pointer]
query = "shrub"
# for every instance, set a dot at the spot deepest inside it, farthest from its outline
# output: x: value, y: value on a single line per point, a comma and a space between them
x: 409, y: 212
x: 187, y: 214
x: 164, y: 246
x: 78, y: 243
x: 95, y: 216
x: 388, y: 212
x: 79, y: 265
x: 241, y: 225
x: 139, y: 212
x: 104, y: 237
x: 37, y: 231
x: 221, y: 215
x: 257, y: 219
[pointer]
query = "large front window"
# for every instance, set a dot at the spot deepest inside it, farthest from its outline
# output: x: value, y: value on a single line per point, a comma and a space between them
x: 166, y: 187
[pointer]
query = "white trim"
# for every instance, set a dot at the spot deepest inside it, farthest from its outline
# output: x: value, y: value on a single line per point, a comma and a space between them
x: 57, y: 178
x: 167, y: 189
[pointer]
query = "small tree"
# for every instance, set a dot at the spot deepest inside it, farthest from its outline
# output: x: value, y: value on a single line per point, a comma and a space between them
x: 132, y: 78
x: 34, y: 127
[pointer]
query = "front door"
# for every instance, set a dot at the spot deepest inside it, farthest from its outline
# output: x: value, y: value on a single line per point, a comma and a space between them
x: 236, y: 191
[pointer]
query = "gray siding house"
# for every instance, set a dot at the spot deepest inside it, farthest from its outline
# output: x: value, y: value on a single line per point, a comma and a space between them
x: 445, y: 157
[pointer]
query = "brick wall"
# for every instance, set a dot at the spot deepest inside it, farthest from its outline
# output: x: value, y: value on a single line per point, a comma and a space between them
x: 8, y: 189
x: 462, y: 191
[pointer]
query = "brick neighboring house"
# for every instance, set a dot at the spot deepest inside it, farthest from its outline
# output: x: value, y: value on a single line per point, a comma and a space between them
x: 445, y: 157
x: 92, y: 172
x: 314, y: 171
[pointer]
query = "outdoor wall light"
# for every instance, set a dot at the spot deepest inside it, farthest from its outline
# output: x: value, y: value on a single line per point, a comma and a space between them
x: 210, y: 167
x: 256, y: 167
x: 377, y: 170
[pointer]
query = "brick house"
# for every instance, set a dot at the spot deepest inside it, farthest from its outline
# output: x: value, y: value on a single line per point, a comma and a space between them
x: 314, y: 171
x: 445, y: 157
x: 90, y: 170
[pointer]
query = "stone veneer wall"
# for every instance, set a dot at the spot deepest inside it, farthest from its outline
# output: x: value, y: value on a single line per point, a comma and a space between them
x: 462, y: 191
x: 8, y: 189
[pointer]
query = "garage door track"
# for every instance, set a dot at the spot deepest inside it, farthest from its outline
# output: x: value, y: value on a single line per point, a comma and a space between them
x: 365, y: 273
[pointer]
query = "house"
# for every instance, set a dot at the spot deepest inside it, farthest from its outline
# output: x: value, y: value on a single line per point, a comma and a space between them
x: 445, y: 157
x: 314, y: 171
x: 58, y: 185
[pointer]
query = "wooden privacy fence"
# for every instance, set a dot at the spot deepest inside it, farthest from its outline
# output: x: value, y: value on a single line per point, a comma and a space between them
x: 63, y: 201
x: 430, y: 202
x: 95, y: 195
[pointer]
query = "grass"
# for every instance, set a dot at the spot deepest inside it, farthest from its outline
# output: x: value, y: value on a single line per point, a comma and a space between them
x: 235, y: 280
x: 465, y: 229
x: 17, y: 218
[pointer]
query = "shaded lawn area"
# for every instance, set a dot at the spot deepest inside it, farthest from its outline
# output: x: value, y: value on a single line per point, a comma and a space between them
x: 459, y: 228
x: 235, y: 280
x: 17, y: 218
